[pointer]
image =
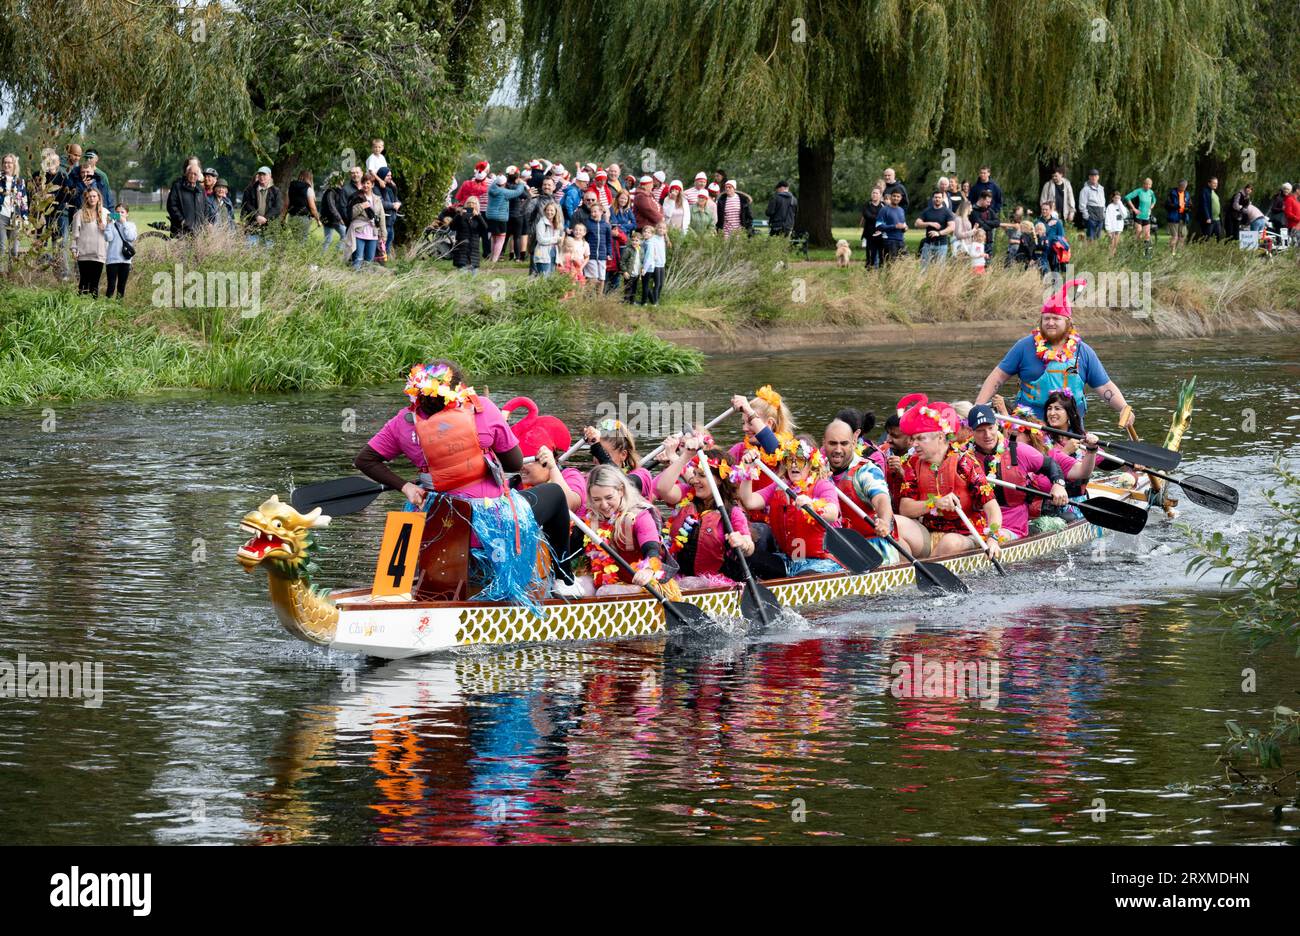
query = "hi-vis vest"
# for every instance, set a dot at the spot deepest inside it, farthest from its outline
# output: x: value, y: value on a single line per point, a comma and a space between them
x: 449, y: 440
x: 947, y: 481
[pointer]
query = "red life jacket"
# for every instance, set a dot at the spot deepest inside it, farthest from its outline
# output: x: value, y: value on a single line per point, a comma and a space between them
x: 947, y: 481
x: 449, y: 440
x: 1012, y: 474
x: 849, y: 517
x: 796, y: 533
x: 710, y: 541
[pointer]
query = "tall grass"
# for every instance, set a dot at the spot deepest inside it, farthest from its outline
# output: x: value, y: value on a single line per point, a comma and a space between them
x: 319, y: 326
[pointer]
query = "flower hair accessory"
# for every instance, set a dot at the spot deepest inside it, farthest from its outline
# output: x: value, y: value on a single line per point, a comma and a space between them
x: 800, y: 449
x: 435, y: 380
x: 609, y: 425
x: 769, y: 396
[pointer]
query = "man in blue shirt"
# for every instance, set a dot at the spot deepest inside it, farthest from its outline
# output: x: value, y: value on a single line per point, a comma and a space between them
x: 1053, y: 357
x: 893, y: 222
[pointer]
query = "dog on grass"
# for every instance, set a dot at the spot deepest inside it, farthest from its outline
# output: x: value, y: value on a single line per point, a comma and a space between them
x: 842, y: 253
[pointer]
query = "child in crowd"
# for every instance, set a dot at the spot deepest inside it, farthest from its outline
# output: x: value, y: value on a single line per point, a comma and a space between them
x: 652, y: 277
x: 630, y: 260
x: 978, y: 258
x: 1116, y: 214
x: 575, y: 254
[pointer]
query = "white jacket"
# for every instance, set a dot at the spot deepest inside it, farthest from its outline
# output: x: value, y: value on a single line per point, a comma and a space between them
x: 1115, y: 215
x: 1090, y: 194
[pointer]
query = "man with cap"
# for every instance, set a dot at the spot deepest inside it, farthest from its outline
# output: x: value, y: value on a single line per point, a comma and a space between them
x: 1052, y: 357
x: 781, y: 210
x: 701, y: 187
x: 1092, y: 204
x: 645, y: 206
x: 209, y: 181
x: 1013, y: 463
x: 660, y: 185
x: 221, y: 210
x: 572, y: 197
x: 261, y: 206
x: 938, y: 478
x: 187, y: 208
x: 476, y: 185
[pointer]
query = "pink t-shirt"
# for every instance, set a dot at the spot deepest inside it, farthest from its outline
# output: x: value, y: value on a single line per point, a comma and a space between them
x: 577, y: 483
x: 398, y: 438
x: 1015, y: 517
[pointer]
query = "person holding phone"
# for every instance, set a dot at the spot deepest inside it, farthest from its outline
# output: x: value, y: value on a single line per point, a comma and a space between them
x: 117, y: 259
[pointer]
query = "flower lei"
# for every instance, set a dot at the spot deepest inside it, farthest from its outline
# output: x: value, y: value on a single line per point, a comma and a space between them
x: 604, y: 570
x: 771, y: 460
x: 435, y: 380
x: 1064, y: 353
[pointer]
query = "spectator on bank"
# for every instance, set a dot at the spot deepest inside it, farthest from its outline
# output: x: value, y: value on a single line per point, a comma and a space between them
x: 676, y: 209
x: 698, y: 188
x: 986, y: 219
x: 1092, y: 204
x: 1252, y: 218
x: 1055, y: 249
x: 90, y: 237
x: 956, y: 196
x: 1291, y: 209
x: 209, y: 182
x: 1060, y: 193
x: 92, y: 160
x: 376, y: 160
x: 873, y: 238
x: 386, y: 189
x: 1145, y: 201
x: 333, y: 211
x: 623, y: 217
x: 963, y: 231
x: 781, y: 210
x: 1211, y: 210
x: 86, y: 177
x: 501, y: 192
x: 353, y: 184
x: 116, y: 261
x: 46, y: 195
x: 1178, y: 212
x: 302, y: 203
x: 1237, y: 209
x: 599, y: 246
x: 892, y: 221
x: 470, y: 228
x: 704, y: 214
x: 572, y: 197
x: 733, y: 211
x: 1014, y: 229
x: 1276, y: 207
x: 13, y: 207
x: 365, y: 225
x: 262, y: 204
x: 937, y: 221
x: 221, y: 208
x: 984, y: 184
x: 892, y: 185
x: 1116, y: 215
x: 647, y: 210
x: 652, y: 267
x: 187, y: 209
x: 546, y: 238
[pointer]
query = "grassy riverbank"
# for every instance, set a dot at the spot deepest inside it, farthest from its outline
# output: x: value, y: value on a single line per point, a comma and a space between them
x: 305, y: 322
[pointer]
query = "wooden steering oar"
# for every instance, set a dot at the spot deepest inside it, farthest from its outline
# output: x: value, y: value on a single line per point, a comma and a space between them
x: 1107, y: 512
x: 849, y: 547
x: 931, y: 577
x: 757, y: 597
x: 979, y: 539
x: 683, y: 612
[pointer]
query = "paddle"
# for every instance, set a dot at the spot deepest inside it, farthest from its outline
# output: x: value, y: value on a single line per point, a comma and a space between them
x: 979, y: 539
x: 756, y: 597
x: 1107, y: 512
x: 338, y: 497
x: 709, y: 425
x: 683, y: 612
x: 572, y: 448
x: 931, y: 577
x: 849, y: 547
x: 1210, y: 494
x: 1131, y: 453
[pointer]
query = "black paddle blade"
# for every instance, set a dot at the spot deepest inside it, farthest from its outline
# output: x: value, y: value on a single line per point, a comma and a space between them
x: 338, y: 497
x: 1145, y: 454
x: 757, y: 603
x: 684, y: 614
x: 851, y: 549
x: 933, y: 578
x: 1211, y: 494
x: 1113, y: 514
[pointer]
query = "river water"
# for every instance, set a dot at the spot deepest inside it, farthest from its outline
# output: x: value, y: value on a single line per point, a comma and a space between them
x: 1109, y: 677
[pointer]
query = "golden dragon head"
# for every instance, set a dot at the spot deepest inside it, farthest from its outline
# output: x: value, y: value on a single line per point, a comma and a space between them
x: 281, y: 537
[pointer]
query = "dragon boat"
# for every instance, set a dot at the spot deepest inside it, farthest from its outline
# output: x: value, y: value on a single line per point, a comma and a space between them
x: 438, y: 614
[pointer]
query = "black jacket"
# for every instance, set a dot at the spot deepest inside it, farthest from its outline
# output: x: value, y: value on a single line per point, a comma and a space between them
x: 187, y: 207
x: 781, y: 209
x: 248, y: 210
x: 333, y: 206
x: 746, y: 213
x: 469, y: 230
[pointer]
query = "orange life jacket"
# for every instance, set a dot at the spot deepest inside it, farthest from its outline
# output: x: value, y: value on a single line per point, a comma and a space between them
x: 946, y: 481
x: 796, y: 533
x: 449, y: 440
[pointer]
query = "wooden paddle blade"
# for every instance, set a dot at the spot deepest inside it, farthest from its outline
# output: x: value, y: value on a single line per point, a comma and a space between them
x: 1117, y: 515
x: 338, y: 497
x: 851, y: 549
x: 1211, y: 494
x: 933, y: 578
x: 758, y: 603
x: 1145, y: 454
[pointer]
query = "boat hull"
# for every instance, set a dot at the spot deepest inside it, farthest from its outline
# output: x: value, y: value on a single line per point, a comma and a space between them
x: 402, y: 629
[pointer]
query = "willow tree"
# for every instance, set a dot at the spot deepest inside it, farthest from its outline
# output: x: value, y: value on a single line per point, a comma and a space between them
x: 1046, y: 79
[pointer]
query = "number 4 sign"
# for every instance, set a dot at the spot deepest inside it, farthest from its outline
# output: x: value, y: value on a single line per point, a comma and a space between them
x: 399, y: 553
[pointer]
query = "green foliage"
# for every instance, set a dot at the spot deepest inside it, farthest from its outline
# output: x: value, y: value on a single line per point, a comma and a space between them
x: 1262, y: 573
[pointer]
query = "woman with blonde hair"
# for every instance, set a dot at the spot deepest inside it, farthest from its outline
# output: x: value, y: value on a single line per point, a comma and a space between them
x: 546, y: 239
x: 767, y: 412
x: 963, y: 232
x: 629, y: 523
x: 612, y: 443
x: 13, y: 207
x: 91, y: 235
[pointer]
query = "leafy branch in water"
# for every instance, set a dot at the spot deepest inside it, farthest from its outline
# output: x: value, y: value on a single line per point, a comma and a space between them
x: 1260, y: 575
x: 1265, y: 746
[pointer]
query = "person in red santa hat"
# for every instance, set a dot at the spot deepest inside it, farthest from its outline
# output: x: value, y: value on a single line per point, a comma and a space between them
x: 1054, y: 357
x: 604, y: 194
x: 938, y: 478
